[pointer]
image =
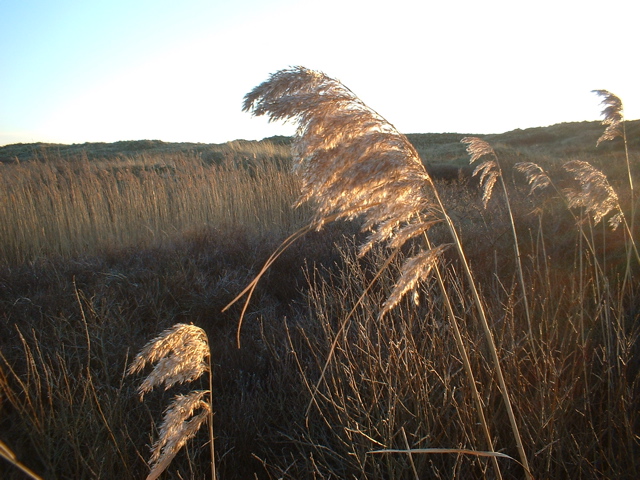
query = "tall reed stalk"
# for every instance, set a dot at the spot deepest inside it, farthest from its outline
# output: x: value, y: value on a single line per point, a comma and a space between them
x: 9, y: 456
x: 353, y: 163
x: 613, y: 114
x: 490, y: 171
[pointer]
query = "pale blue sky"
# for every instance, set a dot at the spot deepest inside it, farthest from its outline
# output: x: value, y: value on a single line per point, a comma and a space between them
x: 76, y: 71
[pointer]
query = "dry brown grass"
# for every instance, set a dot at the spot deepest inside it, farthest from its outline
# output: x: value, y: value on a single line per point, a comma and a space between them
x: 68, y: 207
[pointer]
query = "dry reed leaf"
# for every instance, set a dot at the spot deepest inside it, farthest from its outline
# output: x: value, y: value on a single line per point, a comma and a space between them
x: 536, y: 176
x: 613, y: 115
x: 596, y: 194
x: 180, y: 353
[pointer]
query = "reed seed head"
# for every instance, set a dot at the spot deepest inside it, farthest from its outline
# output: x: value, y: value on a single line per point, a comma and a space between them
x: 477, y: 148
x: 352, y: 162
x: 489, y: 170
x: 536, y: 176
x: 179, y: 354
x: 613, y: 115
x: 414, y: 270
x: 178, y: 426
x: 595, y: 195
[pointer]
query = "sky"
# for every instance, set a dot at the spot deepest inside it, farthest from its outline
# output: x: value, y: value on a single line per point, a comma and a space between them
x: 75, y: 71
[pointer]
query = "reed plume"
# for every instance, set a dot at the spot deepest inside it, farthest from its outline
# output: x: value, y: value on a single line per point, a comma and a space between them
x: 537, y: 178
x: 414, y: 270
x: 489, y: 170
x: 596, y: 194
x: 181, y: 354
x: 352, y: 162
x: 613, y: 116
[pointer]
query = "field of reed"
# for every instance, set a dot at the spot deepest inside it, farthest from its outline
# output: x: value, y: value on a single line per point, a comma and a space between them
x: 429, y: 324
x: 55, y: 205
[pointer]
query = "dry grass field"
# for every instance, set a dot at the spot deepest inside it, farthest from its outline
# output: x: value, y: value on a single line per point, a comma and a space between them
x: 105, y: 246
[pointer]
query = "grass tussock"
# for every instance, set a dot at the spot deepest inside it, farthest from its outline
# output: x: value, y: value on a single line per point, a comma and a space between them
x: 463, y: 326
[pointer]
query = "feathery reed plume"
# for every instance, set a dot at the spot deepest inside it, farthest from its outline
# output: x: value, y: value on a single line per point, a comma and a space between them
x: 178, y: 426
x: 352, y: 162
x: 613, y: 116
x: 596, y: 194
x: 489, y: 170
x: 537, y: 178
x: 415, y: 269
x: 477, y: 148
x: 181, y: 354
